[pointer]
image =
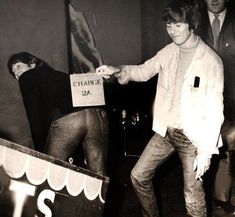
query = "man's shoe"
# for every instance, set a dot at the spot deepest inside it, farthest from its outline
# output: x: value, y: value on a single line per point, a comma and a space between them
x: 226, y: 206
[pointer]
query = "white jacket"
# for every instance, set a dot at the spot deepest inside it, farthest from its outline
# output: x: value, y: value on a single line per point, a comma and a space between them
x: 201, y: 108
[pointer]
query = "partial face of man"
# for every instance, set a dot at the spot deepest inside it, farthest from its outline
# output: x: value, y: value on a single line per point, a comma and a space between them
x: 179, y: 32
x: 19, y: 68
x: 216, y: 6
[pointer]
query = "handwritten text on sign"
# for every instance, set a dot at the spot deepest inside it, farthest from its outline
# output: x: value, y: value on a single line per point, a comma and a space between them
x: 87, y: 89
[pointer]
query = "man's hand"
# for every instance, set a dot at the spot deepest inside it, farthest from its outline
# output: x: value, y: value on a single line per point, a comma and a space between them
x: 107, y: 71
x: 201, y: 165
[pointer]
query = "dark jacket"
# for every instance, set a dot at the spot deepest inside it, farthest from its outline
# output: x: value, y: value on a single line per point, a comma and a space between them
x: 47, y: 96
x: 226, y: 50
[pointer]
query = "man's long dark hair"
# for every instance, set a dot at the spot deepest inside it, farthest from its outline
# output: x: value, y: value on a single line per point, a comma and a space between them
x: 23, y: 57
x: 186, y: 11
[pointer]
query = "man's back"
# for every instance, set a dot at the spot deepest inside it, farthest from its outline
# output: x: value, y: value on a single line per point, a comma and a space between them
x: 47, y: 96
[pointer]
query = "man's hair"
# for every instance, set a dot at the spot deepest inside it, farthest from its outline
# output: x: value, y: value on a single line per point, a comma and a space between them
x: 23, y: 57
x: 186, y: 11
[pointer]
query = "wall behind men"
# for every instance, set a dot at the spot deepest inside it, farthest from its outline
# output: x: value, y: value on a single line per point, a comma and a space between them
x: 36, y: 26
x: 154, y: 35
x: 115, y: 26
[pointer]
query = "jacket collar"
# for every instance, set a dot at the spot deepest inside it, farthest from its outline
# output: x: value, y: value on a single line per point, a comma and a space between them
x: 228, y: 19
x: 200, y: 49
x: 199, y: 53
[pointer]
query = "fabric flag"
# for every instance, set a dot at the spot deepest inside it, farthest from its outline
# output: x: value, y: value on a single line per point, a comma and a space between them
x: 85, y: 56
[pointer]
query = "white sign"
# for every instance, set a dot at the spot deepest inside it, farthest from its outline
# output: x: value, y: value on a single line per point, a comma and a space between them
x: 87, y: 89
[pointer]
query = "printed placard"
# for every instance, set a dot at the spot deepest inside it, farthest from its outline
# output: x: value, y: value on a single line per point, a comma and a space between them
x: 87, y: 89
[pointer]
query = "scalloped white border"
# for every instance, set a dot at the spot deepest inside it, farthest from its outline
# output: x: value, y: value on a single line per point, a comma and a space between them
x: 4, y: 151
